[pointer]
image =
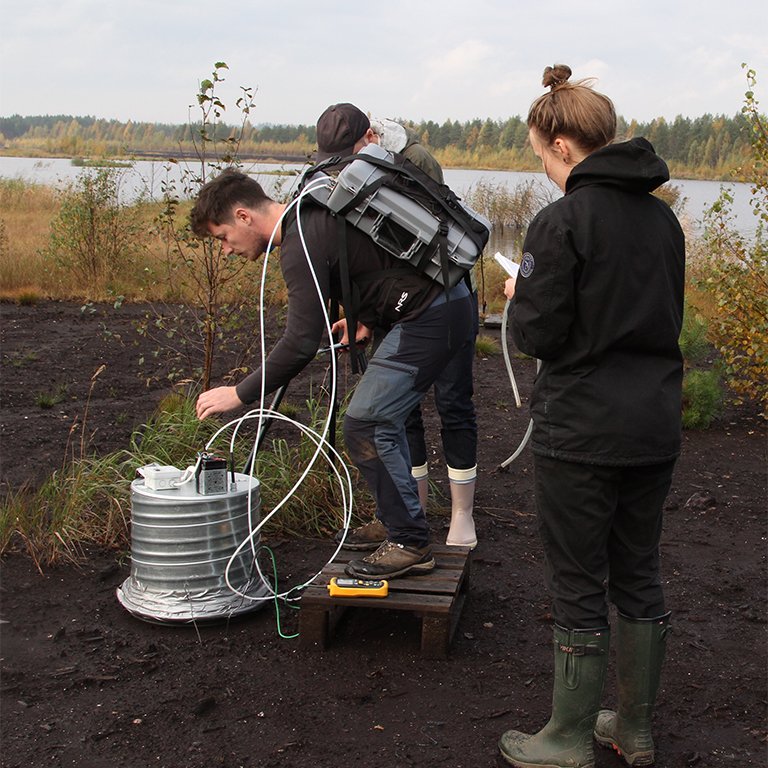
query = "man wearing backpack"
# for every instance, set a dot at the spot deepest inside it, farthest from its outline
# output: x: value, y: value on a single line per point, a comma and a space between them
x: 397, y: 138
x: 427, y: 327
x: 342, y: 126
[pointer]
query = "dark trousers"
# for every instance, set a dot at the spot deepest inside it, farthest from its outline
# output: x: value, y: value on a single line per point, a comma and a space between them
x: 453, y: 400
x: 403, y: 368
x: 601, y: 525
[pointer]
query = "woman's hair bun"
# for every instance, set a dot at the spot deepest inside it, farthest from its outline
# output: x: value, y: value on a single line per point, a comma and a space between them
x: 555, y: 76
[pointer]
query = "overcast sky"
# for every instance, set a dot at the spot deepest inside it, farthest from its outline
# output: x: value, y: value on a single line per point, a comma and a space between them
x: 142, y: 60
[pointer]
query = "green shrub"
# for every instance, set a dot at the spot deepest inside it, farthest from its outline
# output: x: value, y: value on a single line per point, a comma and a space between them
x: 693, y: 337
x: 731, y: 271
x: 702, y: 398
x: 95, y: 236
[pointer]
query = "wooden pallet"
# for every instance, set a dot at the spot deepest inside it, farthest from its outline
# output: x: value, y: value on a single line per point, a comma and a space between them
x: 436, y: 597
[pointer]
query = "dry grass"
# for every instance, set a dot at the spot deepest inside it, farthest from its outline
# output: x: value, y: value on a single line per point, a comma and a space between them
x: 26, y: 275
x: 27, y: 212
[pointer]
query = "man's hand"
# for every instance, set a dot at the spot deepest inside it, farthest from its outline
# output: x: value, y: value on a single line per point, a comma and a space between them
x: 218, y: 400
x: 362, y: 336
x: 509, y: 287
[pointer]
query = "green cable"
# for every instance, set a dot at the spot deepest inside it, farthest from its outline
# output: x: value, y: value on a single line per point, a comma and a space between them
x: 277, y: 601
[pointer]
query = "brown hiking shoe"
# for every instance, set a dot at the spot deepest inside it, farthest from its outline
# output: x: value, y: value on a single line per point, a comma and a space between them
x: 391, y: 560
x: 368, y: 536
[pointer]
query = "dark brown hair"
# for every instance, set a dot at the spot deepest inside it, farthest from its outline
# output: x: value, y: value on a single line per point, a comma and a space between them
x: 574, y: 110
x: 218, y: 198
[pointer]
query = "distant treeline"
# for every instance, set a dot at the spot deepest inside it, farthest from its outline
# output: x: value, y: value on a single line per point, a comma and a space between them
x: 711, y: 146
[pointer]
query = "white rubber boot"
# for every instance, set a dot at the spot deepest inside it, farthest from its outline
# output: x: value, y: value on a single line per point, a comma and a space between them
x: 462, y: 530
x: 421, y: 476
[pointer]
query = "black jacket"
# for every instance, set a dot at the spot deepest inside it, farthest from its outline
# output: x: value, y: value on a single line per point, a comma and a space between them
x: 599, y: 301
x: 383, y: 300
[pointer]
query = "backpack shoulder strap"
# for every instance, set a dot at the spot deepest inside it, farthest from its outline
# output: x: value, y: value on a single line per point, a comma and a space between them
x: 350, y: 297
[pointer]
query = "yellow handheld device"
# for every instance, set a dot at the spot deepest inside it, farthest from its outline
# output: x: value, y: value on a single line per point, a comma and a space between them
x: 341, y: 587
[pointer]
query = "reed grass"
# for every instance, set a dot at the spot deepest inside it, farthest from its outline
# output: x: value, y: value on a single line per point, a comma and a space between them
x: 508, y: 208
x: 510, y: 211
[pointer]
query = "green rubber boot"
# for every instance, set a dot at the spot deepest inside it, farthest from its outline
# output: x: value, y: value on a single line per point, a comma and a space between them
x: 581, y: 656
x: 640, y: 647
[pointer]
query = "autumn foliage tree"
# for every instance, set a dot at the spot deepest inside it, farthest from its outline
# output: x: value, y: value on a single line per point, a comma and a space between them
x: 732, y: 271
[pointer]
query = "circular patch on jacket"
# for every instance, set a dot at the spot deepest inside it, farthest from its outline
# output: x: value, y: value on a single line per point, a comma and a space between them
x: 527, y: 264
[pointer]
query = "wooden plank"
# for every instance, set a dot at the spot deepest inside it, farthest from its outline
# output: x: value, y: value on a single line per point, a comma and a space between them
x: 438, y: 581
x: 437, y: 590
x: 435, y: 637
x: 437, y: 598
x: 313, y: 623
x: 428, y: 604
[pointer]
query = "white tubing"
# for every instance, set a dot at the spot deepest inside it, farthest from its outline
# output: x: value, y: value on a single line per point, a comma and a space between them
x: 504, y: 464
x: 323, y: 448
x: 505, y: 350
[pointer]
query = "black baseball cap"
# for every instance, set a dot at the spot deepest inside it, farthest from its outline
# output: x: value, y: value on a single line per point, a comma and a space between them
x: 339, y: 128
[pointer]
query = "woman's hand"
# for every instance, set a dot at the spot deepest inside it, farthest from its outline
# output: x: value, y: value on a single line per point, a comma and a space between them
x: 509, y: 287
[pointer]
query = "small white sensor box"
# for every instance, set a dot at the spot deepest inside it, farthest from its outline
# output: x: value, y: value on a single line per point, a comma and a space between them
x: 160, y: 478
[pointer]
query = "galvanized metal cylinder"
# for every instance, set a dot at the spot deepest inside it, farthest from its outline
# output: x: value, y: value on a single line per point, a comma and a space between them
x: 181, y: 544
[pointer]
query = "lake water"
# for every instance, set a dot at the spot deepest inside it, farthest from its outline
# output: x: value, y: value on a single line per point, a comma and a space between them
x: 148, y: 176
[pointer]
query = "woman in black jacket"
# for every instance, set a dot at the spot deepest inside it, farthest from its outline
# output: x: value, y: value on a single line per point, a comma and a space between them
x: 599, y: 300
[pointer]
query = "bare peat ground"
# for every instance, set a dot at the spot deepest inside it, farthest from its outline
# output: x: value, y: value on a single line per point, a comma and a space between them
x: 86, y: 684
